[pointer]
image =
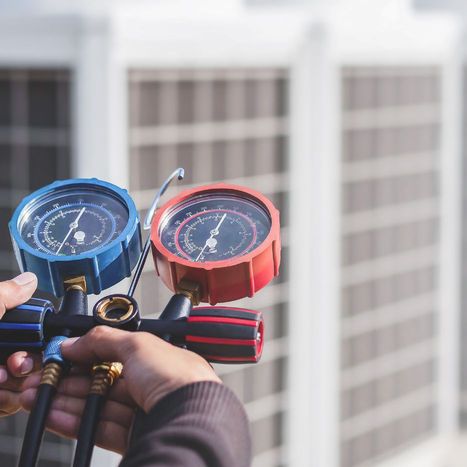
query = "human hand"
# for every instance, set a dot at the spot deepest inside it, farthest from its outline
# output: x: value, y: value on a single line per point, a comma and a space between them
x: 13, y: 293
x: 64, y: 417
x: 152, y: 368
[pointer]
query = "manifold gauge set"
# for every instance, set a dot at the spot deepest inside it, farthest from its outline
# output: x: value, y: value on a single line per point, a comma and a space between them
x: 210, y: 244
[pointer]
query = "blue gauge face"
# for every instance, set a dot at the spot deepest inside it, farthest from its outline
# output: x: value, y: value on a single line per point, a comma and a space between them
x: 73, y: 221
x: 215, y: 228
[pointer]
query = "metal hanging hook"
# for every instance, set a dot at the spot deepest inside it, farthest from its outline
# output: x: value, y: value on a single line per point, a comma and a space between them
x: 179, y: 173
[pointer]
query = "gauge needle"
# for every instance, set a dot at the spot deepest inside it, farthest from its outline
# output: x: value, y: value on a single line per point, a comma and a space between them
x: 73, y: 226
x: 213, y: 233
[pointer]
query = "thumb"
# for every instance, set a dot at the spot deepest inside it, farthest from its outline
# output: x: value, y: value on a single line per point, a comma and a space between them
x: 101, y: 343
x: 16, y: 291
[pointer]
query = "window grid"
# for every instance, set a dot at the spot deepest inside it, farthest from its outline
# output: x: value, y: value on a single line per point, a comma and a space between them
x: 35, y: 150
x: 220, y: 125
x: 390, y: 151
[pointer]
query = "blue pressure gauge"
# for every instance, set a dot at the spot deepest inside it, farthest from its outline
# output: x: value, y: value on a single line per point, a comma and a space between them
x: 77, y: 227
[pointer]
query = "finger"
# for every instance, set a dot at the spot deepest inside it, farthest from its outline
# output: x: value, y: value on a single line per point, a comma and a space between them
x: 9, y: 382
x: 65, y: 421
x: 109, y: 435
x: 36, y: 375
x: 22, y: 363
x: 27, y: 398
x: 9, y: 402
x: 119, y: 392
x: 103, y: 343
x: 112, y: 436
x: 111, y: 412
x: 78, y: 386
x: 32, y: 381
x: 16, y: 291
x: 80, y: 370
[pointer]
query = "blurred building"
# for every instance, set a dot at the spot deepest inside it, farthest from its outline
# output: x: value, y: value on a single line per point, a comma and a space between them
x: 460, y: 10
x: 35, y: 149
x: 346, y: 115
x: 220, y: 124
x: 383, y: 170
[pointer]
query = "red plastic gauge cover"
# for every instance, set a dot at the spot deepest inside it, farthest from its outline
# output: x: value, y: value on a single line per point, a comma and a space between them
x: 226, y: 280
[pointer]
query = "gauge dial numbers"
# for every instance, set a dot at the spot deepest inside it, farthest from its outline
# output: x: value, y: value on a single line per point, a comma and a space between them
x: 215, y: 228
x: 234, y: 239
x: 73, y: 223
x: 61, y: 234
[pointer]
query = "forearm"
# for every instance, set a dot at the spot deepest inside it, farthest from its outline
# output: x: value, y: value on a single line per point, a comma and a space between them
x: 199, y: 425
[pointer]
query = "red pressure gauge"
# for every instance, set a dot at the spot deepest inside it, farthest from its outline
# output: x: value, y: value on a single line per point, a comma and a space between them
x: 225, y: 238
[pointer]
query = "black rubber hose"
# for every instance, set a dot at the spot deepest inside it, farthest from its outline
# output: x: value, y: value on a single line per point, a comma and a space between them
x: 35, y: 427
x: 88, y: 429
x: 74, y: 303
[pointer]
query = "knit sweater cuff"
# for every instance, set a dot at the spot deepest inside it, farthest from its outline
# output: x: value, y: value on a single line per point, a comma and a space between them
x: 212, y: 400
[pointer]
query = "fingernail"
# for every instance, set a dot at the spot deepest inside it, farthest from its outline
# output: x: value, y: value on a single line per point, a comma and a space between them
x: 25, y: 278
x: 3, y: 375
x: 69, y: 342
x: 27, y: 366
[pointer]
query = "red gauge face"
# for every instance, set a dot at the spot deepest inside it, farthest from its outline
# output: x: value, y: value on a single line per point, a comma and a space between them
x: 225, y: 238
x: 215, y: 228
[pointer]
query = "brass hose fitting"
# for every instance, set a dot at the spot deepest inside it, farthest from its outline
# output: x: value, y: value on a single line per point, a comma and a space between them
x: 111, y: 303
x: 191, y: 290
x: 104, y: 376
x: 51, y: 374
x: 77, y: 283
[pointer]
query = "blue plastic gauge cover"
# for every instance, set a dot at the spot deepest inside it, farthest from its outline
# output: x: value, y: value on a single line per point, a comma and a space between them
x: 77, y: 227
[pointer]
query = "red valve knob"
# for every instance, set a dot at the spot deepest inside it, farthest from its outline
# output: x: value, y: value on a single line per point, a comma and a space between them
x: 225, y: 334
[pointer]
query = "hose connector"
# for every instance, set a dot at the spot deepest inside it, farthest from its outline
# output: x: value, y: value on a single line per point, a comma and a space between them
x: 104, y: 376
x: 53, y: 351
x: 51, y: 374
x: 189, y: 289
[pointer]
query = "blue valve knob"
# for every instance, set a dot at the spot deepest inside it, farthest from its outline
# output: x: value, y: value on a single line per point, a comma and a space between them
x: 22, y: 327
